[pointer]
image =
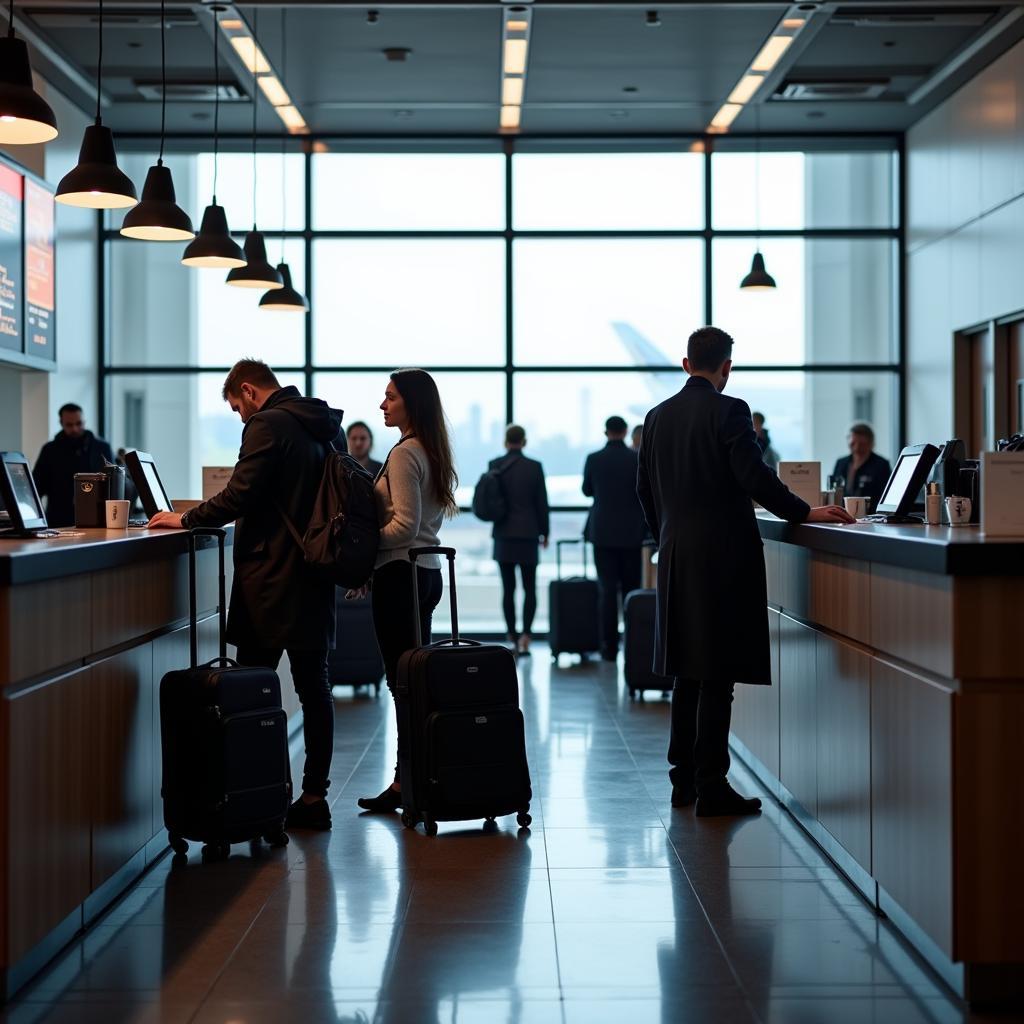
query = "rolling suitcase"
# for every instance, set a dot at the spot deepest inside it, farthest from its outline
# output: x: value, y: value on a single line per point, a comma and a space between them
x: 224, y: 738
x: 356, y: 660
x: 572, y: 610
x: 462, y: 745
x: 639, y: 613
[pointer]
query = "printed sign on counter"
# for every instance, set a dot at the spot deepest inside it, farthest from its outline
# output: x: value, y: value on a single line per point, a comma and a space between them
x: 215, y: 479
x: 803, y: 479
x: 11, y: 190
x: 1002, y: 494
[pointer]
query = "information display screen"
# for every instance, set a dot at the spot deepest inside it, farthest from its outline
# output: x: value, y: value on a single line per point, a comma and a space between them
x: 156, y: 488
x: 40, y: 290
x: 11, y: 192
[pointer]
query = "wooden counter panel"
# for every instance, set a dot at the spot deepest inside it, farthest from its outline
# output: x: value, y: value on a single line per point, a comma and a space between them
x: 798, y: 725
x: 48, y: 778
x: 989, y: 759
x: 755, y: 713
x: 844, y: 745
x: 120, y: 742
x: 912, y: 796
x: 794, y: 580
x: 840, y: 595
x: 912, y: 617
x: 771, y: 569
x: 30, y: 640
x: 987, y: 642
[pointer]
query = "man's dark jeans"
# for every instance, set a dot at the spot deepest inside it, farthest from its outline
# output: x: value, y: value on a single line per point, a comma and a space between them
x: 618, y: 572
x: 699, y: 746
x: 309, y: 674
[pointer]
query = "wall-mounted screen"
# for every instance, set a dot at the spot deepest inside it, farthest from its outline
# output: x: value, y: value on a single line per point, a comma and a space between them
x: 11, y: 191
x: 40, y: 282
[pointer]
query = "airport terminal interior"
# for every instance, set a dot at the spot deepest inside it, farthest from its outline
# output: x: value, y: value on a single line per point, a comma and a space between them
x: 538, y: 203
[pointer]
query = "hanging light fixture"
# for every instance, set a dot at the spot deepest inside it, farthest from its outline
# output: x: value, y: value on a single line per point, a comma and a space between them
x: 214, y: 246
x: 159, y: 218
x: 286, y: 299
x: 97, y: 183
x: 758, y: 280
x: 25, y: 117
x: 257, y: 272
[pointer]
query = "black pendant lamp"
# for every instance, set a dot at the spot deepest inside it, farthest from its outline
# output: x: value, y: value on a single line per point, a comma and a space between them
x: 758, y: 280
x: 257, y: 272
x: 97, y: 183
x: 25, y: 117
x: 214, y: 246
x: 286, y: 299
x: 159, y: 218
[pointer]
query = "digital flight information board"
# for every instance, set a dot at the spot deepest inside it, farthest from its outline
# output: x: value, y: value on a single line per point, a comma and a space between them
x: 12, y: 189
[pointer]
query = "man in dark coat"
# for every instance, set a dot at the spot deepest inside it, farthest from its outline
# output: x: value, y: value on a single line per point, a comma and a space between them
x: 700, y: 466
x: 865, y: 471
x: 73, y: 450
x: 526, y: 523
x: 615, y: 526
x: 277, y: 604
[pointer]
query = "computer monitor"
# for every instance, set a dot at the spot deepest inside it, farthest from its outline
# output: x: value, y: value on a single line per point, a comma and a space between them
x: 148, y: 483
x: 905, y: 483
x: 18, y: 492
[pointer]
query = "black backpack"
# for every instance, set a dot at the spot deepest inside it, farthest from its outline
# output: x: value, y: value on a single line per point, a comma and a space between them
x: 343, y: 534
x: 489, y: 501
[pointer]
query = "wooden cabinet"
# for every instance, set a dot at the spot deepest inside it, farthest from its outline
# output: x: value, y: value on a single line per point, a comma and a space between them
x: 798, y: 745
x: 755, y: 714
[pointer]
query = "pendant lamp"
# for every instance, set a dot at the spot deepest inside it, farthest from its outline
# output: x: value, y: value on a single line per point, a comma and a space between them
x: 286, y: 299
x: 158, y: 218
x: 257, y: 272
x: 97, y: 183
x: 25, y: 117
x: 214, y: 246
x: 758, y: 280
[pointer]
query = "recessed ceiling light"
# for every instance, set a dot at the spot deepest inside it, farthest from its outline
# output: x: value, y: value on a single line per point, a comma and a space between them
x: 512, y: 92
x: 252, y: 56
x: 793, y: 23
x: 517, y: 26
x: 652, y: 20
x: 515, y: 57
x: 510, y: 117
x: 745, y: 88
x: 292, y: 119
x: 771, y: 53
x: 725, y: 117
x: 277, y: 95
x: 232, y: 25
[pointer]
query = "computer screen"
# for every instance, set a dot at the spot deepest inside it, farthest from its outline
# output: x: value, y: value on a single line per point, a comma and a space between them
x: 156, y: 487
x: 898, y: 482
x: 20, y: 497
x: 148, y: 483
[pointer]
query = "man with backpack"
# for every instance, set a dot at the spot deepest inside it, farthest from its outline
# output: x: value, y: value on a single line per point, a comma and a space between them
x: 278, y: 601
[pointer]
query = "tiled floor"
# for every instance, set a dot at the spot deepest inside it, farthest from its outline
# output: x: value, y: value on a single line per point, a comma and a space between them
x: 614, y: 908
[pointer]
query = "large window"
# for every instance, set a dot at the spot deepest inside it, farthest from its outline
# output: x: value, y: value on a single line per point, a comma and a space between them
x: 543, y: 286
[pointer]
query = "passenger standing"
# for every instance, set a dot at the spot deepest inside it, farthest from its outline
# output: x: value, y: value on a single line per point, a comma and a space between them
x: 615, y: 526
x: 360, y: 444
x: 700, y: 465
x: 415, y: 492
x: 764, y: 442
x: 636, y: 437
x: 525, y: 523
x: 277, y: 602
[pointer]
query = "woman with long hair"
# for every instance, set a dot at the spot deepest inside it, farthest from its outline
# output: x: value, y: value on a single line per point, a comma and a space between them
x: 415, y: 493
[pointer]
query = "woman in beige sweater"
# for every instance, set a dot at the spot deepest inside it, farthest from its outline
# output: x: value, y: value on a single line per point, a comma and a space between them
x: 415, y: 491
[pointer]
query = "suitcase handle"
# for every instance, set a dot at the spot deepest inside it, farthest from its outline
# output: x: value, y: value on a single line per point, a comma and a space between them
x: 448, y: 553
x: 558, y: 553
x: 193, y: 600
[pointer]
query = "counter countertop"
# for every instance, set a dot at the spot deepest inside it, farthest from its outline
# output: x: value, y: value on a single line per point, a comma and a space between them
x: 29, y: 560
x: 951, y: 551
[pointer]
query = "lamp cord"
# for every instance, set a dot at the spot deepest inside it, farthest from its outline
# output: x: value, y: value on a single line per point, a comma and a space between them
x: 10, y: 22
x: 284, y: 76
x: 163, y: 85
x: 99, y: 68
x: 255, y: 106
x: 216, y: 98
x: 757, y: 178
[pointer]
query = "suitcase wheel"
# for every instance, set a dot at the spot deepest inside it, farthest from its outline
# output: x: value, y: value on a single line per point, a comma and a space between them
x: 216, y: 851
x: 490, y: 825
x: 276, y: 839
x: 177, y: 844
x: 409, y: 819
x: 430, y: 826
x: 524, y: 819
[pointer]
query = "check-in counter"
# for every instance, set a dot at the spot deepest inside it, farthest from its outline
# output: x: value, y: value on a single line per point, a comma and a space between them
x: 88, y: 627
x: 895, y: 728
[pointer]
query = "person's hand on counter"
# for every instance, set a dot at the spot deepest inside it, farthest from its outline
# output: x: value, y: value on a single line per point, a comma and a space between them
x: 166, y: 521
x: 821, y: 514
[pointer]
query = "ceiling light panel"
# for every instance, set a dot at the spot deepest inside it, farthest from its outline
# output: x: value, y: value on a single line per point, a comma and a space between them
x: 745, y: 88
x: 512, y: 91
x: 771, y: 53
x: 515, y: 49
x: 251, y: 54
x: 277, y: 95
x: 515, y: 56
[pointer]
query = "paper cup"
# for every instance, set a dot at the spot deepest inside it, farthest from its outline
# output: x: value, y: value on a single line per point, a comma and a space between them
x: 857, y: 507
x: 117, y: 515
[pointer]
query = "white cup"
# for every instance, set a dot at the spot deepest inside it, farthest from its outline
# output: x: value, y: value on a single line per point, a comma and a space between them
x: 117, y: 515
x: 958, y: 510
x: 857, y: 507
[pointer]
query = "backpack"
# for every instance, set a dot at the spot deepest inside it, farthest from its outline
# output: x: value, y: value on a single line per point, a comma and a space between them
x: 343, y: 534
x: 489, y: 501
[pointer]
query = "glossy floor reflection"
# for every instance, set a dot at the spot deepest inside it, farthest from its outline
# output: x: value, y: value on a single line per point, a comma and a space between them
x: 613, y: 908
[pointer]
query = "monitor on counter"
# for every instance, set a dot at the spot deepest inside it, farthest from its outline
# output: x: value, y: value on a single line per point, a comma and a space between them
x: 148, y: 483
x: 19, y: 495
x: 905, y: 483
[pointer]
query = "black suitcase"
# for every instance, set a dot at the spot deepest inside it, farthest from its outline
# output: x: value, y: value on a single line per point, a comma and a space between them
x: 639, y: 613
x: 224, y: 737
x: 572, y: 610
x: 462, y: 745
x: 356, y: 660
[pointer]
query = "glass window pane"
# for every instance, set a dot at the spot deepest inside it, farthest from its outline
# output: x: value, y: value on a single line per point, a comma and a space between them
x: 802, y: 190
x: 280, y: 190
x: 181, y: 420
x: 834, y: 301
x: 409, y: 191
x: 606, y: 302
x: 164, y: 314
x: 430, y: 302
x: 656, y: 191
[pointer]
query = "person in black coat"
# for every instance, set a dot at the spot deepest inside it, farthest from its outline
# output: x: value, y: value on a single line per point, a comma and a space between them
x: 277, y: 603
x: 700, y: 466
x: 73, y: 450
x: 615, y: 526
x: 865, y: 472
x: 526, y: 523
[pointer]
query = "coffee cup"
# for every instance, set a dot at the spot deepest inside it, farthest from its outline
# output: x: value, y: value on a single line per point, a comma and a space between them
x: 856, y: 506
x: 117, y: 515
x: 958, y: 510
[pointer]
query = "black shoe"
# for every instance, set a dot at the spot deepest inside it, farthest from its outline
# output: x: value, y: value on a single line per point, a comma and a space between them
x: 683, y: 796
x: 315, y: 816
x: 726, y: 802
x: 390, y: 800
